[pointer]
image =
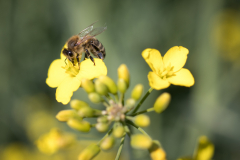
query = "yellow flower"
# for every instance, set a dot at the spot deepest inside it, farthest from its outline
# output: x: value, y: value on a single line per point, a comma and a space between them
x: 67, y: 78
x: 168, y: 69
x: 204, y: 150
x: 51, y: 142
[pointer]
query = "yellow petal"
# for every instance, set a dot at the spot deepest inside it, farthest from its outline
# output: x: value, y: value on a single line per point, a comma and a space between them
x: 156, y: 82
x: 89, y: 71
x: 65, y: 90
x: 154, y: 59
x: 176, y: 57
x: 56, y: 73
x: 182, y: 78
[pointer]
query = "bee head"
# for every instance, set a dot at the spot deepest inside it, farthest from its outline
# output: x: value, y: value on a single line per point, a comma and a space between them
x: 67, y: 53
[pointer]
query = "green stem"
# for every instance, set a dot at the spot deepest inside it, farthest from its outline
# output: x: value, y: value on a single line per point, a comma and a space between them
x: 106, y: 104
x: 142, y: 100
x: 137, y: 127
x: 121, y: 100
x: 120, y: 147
x: 116, y: 97
x: 141, y: 112
x: 109, y: 132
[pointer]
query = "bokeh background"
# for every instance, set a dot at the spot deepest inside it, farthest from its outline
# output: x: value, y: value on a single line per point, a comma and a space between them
x: 32, y: 34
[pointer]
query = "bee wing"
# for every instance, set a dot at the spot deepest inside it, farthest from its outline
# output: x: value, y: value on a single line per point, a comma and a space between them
x: 93, y: 33
x: 86, y: 30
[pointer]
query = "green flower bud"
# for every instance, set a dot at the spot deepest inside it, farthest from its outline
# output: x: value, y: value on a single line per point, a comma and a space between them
x: 162, y: 102
x: 88, y: 85
x: 137, y: 92
x: 89, y: 153
x: 140, y: 141
x: 107, y: 143
x: 142, y: 120
x: 109, y: 83
x: 122, y: 85
x: 95, y: 97
x: 65, y: 115
x: 130, y: 103
x: 82, y: 126
x: 123, y: 73
x: 205, y: 149
x: 77, y: 104
x: 156, y: 152
x: 101, y: 88
x: 118, y: 131
x: 102, y: 127
x: 102, y: 119
x: 86, y: 112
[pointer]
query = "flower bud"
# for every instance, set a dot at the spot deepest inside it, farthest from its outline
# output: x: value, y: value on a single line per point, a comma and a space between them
x: 204, y: 150
x: 140, y: 141
x: 77, y: 104
x: 101, y: 88
x: 162, y: 102
x: 109, y: 83
x: 156, y: 152
x: 118, y: 131
x: 102, y: 127
x: 122, y: 85
x: 130, y: 103
x: 86, y: 112
x: 123, y: 73
x: 82, y: 126
x: 88, y: 85
x: 137, y: 92
x: 107, y: 143
x: 102, y: 119
x: 65, y: 115
x: 89, y: 153
x: 142, y: 120
x: 95, y: 97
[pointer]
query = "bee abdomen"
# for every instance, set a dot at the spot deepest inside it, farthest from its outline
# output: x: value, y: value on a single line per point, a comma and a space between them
x: 98, y: 47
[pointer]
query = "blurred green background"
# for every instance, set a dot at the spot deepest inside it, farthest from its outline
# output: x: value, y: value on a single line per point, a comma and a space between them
x: 32, y: 34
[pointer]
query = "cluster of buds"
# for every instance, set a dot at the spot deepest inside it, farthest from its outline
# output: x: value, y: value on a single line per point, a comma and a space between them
x: 118, y: 116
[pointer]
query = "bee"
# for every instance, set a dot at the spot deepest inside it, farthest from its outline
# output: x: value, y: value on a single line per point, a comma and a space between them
x: 86, y: 42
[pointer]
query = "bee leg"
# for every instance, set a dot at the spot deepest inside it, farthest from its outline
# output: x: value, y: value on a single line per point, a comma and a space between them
x: 65, y: 61
x: 88, y: 54
x: 92, y: 60
x: 78, y: 62
x: 85, y: 56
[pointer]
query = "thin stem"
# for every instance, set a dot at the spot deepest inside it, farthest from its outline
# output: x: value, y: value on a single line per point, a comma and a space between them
x: 120, y: 147
x: 144, y: 111
x: 106, y: 104
x: 137, y: 127
x: 109, y: 132
x: 129, y: 118
x: 116, y: 97
x: 142, y: 100
x: 108, y: 97
x: 121, y: 100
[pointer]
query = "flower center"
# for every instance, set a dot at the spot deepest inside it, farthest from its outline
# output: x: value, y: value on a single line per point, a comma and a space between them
x: 70, y: 69
x: 166, y: 72
x: 115, y: 112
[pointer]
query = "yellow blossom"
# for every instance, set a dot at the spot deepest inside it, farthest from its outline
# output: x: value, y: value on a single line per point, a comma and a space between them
x: 168, y: 69
x: 205, y: 149
x: 54, y: 140
x: 67, y: 78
